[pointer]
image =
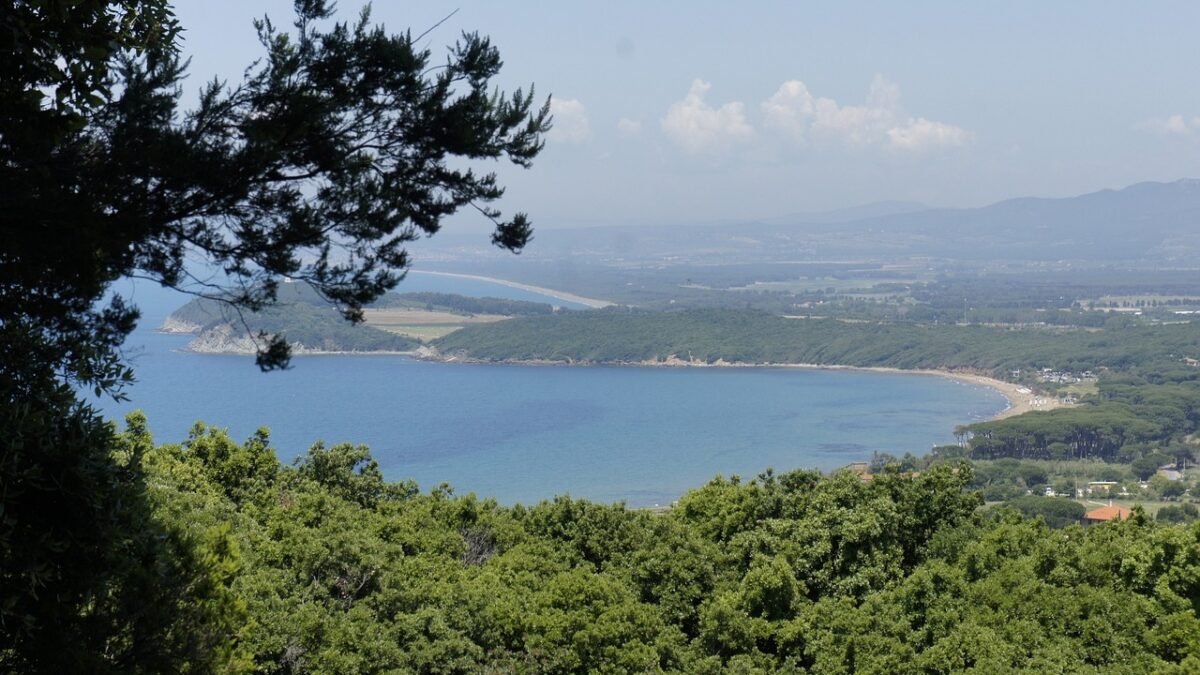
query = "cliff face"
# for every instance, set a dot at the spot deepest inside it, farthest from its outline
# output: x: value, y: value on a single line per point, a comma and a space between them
x: 224, y: 339
x: 176, y: 325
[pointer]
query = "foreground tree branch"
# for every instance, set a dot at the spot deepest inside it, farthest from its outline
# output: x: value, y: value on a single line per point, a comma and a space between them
x: 337, y: 149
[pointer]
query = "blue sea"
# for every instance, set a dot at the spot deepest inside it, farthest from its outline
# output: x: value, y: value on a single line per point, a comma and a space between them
x: 526, y: 433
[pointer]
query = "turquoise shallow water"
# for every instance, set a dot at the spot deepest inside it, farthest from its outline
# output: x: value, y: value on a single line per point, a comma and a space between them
x: 525, y: 433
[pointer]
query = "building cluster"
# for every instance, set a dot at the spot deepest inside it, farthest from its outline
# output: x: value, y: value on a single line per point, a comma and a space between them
x: 1094, y: 489
x: 1065, y: 376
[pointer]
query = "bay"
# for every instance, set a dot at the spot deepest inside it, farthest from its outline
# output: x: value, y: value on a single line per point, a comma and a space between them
x: 525, y: 433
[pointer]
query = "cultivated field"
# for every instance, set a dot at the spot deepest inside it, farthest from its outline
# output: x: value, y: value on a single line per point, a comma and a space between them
x: 424, y: 324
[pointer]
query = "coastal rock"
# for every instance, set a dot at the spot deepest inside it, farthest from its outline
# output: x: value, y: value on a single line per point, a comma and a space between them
x: 221, y: 339
x: 225, y: 338
x: 174, y: 325
x: 428, y: 352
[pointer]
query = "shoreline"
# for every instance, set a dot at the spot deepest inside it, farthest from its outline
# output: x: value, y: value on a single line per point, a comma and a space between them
x: 1019, y: 398
x: 560, y: 295
x: 1019, y: 402
x: 413, y: 353
x: 241, y: 349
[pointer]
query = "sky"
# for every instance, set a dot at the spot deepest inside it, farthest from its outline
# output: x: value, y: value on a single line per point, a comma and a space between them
x: 700, y: 112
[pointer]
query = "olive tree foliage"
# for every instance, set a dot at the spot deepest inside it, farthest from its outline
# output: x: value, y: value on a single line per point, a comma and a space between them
x: 339, y: 147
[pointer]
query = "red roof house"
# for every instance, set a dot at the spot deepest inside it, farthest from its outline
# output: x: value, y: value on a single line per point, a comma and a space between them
x: 1105, y: 514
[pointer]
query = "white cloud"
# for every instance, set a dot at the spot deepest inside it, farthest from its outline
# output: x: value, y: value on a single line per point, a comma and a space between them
x: 629, y: 127
x: 1175, y: 125
x: 859, y: 125
x: 796, y: 114
x: 789, y: 110
x: 698, y: 127
x: 570, y: 121
x: 921, y: 134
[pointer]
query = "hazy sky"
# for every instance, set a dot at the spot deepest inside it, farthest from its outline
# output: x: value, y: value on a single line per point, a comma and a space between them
x: 677, y: 112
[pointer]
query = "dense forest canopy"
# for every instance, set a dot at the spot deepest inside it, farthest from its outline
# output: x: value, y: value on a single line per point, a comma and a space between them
x: 343, y: 571
x: 339, y: 147
x: 748, y: 336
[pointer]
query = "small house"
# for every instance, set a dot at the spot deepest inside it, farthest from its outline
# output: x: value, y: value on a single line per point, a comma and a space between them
x: 1105, y: 514
x: 1101, y: 487
x: 860, y: 469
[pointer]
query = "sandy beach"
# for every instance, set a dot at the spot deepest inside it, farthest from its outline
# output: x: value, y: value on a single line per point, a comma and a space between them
x: 1020, y: 398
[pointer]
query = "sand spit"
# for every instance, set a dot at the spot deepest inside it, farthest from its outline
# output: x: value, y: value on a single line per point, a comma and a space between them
x: 561, y: 295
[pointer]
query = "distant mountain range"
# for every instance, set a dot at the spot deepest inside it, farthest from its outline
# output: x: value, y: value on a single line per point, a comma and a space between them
x: 853, y: 213
x: 1143, y: 221
x: 1146, y: 224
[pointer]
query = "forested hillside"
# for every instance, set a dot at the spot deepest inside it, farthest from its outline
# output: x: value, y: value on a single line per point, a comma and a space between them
x: 747, y: 336
x: 308, y: 327
x: 335, y: 570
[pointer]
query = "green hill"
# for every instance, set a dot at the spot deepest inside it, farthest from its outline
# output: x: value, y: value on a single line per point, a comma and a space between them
x: 309, y: 327
x: 750, y: 336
